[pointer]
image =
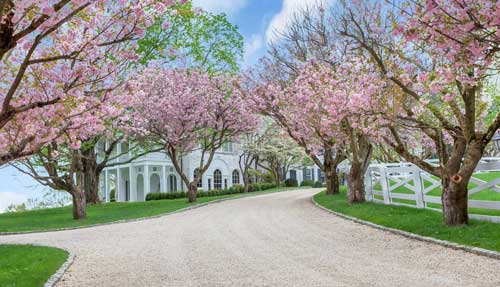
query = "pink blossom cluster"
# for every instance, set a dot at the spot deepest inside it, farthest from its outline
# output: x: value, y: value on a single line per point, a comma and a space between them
x: 63, y: 59
x: 325, y: 101
x: 185, y: 108
x: 461, y: 39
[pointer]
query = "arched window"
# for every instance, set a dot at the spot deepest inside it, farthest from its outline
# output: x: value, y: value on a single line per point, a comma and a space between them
x: 200, y: 181
x: 236, y: 177
x: 217, y: 179
x: 172, y: 183
x: 154, y: 183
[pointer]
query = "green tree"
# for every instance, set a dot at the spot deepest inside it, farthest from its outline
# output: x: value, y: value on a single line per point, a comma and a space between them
x: 193, y: 39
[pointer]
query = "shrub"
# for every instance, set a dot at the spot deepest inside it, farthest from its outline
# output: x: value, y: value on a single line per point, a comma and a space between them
x: 112, y: 196
x: 153, y: 196
x: 307, y: 182
x: 267, y: 185
x: 318, y: 184
x: 268, y: 177
x: 254, y: 187
x: 238, y: 188
x: 291, y: 182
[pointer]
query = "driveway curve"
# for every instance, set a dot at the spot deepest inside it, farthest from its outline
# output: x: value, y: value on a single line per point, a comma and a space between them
x: 278, y: 239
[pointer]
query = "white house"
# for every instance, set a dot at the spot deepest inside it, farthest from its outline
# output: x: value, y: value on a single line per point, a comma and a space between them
x: 155, y: 172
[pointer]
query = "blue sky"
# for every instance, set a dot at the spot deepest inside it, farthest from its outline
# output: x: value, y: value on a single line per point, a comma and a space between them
x: 252, y: 17
x: 256, y: 19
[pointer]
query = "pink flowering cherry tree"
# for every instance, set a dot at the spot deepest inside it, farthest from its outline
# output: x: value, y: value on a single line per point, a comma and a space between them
x: 56, y: 55
x: 343, y: 100
x: 331, y: 109
x: 298, y: 116
x: 61, y: 164
x: 187, y: 110
x: 438, y: 55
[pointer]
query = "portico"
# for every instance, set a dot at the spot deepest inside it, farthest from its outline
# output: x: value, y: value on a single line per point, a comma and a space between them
x: 134, y: 181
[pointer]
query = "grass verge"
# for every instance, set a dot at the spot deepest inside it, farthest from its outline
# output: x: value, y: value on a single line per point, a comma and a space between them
x: 419, y: 221
x: 57, y: 218
x: 28, y: 265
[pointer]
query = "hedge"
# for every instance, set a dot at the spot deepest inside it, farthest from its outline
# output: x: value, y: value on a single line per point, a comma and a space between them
x: 318, y: 184
x: 307, y: 182
x: 215, y: 192
x: 291, y: 182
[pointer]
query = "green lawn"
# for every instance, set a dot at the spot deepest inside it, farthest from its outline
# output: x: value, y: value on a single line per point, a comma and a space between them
x: 54, y: 218
x: 420, y: 221
x: 27, y: 265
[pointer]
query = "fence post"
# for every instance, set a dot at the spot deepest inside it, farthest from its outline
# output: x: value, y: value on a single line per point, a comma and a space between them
x: 419, y: 187
x: 368, y: 184
x: 385, y: 185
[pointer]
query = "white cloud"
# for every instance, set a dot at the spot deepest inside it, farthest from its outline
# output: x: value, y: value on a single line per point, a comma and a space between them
x: 230, y: 7
x: 8, y: 198
x: 252, y: 47
x: 281, y: 20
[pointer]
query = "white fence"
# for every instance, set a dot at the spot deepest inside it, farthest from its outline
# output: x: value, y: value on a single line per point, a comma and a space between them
x: 406, y: 184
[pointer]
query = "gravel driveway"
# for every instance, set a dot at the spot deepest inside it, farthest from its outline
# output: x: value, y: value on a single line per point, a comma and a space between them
x: 278, y: 239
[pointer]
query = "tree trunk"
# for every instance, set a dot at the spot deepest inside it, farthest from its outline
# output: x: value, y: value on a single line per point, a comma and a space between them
x: 361, y: 149
x: 356, y: 184
x: 91, y: 186
x: 277, y: 181
x: 454, y: 199
x: 277, y: 176
x: 246, y: 181
x: 332, y: 182
x: 90, y: 176
x: 191, y: 194
x: 455, y: 179
x: 79, y: 205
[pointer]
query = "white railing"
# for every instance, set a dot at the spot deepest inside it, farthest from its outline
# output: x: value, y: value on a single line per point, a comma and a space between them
x: 406, y: 184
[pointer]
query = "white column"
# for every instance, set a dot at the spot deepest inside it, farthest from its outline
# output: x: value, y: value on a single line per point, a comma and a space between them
x: 106, y: 184
x: 118, y: 185
x: 133, y: 183
x: 146, y: 180
x: 163, y: 184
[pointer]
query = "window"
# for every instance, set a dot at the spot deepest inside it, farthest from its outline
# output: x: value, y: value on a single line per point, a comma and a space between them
x: 124, y: 147
x: 217, y: 179
x: 101, y: 148
x: 227, y: 147
x: 321, y: 175
x: 307, y: 174
x: 236, y: 177
x: 200, y: 181
x: 172, y: 182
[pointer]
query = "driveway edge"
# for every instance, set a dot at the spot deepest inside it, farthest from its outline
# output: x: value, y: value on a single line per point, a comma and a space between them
x: 444, y: 243
x: 62, y: 270
x: 140, y: 218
